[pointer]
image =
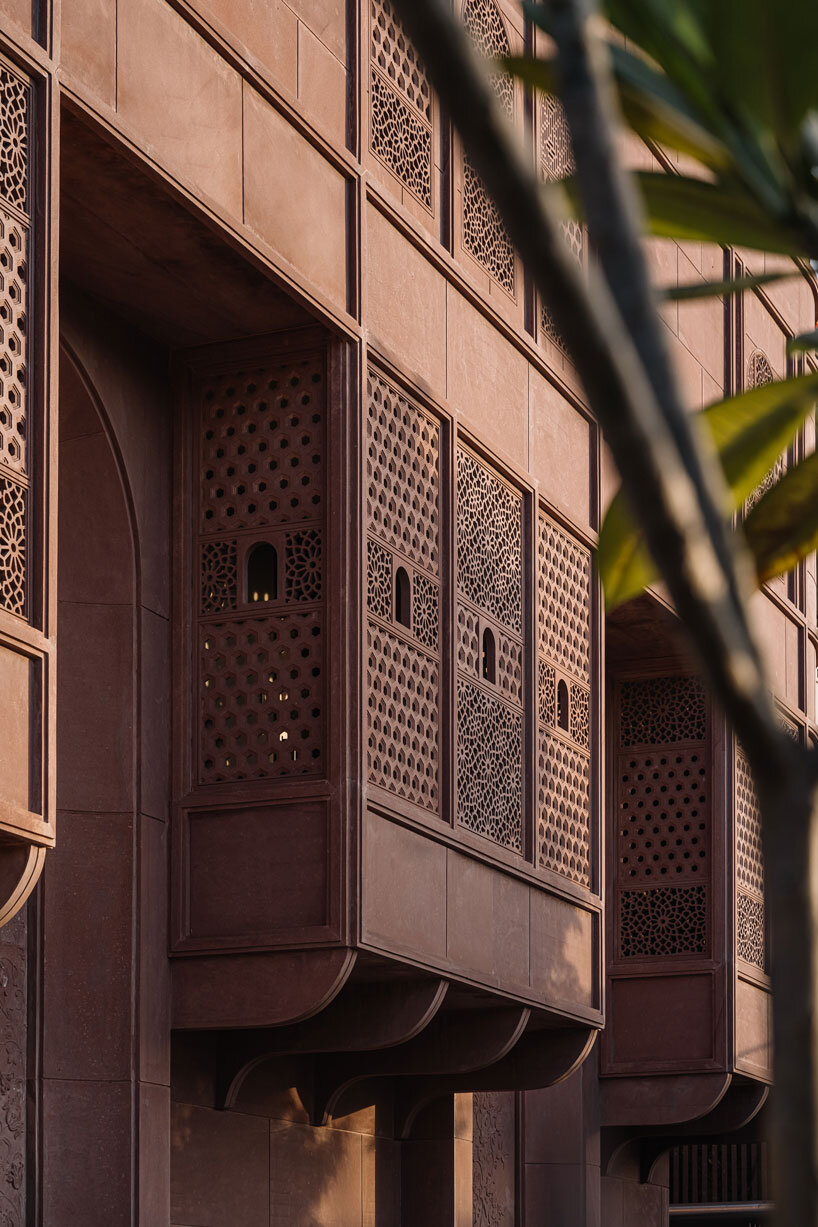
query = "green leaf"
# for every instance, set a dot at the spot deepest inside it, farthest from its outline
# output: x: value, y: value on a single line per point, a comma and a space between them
x: 624, y: 563
x: 684, y: 208
x: 651, y: 104
x: 803, y: 343
x: 782, y: 528
x: 657, y: 110
x: 749, y: 432
x: 713, y: 289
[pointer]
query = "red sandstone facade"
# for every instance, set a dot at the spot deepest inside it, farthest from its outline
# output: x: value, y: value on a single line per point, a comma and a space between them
x: 378, y: 880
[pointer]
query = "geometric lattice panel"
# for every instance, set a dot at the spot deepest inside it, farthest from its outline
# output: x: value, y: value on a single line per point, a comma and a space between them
x: 379, y: 580
x: 260, y: 697
x: 219, y: 576
x: 488, y: 34
x: 401, y: 140
x: 403, y: 474
x: 557, y: 162
x: 662, y: 710
x: 564, y: 599
x: 489, y: 542
x: 759, y: 371
x: 489, y: 766
x: 484, y: 235
x: 425, y: 610
x: 750, y: 942
x: 662, y: 922
x: 262, y: 446
x: 13, y: 343
x: 546, y: 694
x: 394, y: 55
x: 13, y: 546
x: 403, y: 698
x: 580, y: 725
x: 302, y: 565
x: 15, y: 96
x: 663, y: 816
x: 749, y: 854
x: 563, y: 810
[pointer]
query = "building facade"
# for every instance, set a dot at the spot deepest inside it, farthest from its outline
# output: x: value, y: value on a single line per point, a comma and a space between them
x: 356, y: 870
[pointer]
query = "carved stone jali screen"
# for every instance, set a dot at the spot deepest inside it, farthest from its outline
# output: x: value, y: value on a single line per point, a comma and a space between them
x: 27, y: 599
x: 564, y: 837
x: 490, y: 717
x: 260, y: 598
x: 751, y: 937
x: 400, y: 105
x: 484, y: 236
x: 663, y: 819
x: 497, y: 579
x: 15, y: 107
x: 403, y: 516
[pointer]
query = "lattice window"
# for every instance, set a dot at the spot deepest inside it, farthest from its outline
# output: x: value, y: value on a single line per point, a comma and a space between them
x: 261, y: 688
x: 400, y: 104
x: 580, y: 715
x: 13, y: 343
x: 401, y: 140
x: 749, y: 854
x: 665, y: 921
x: 750, y: 936
x: 547, y: 693
x: 759, y: 370
x: 425, y: 610
x: 468, y: 640
x: 563, y: 810
x: 759, y: 373
x: 302, y: 565
x: 510, y: 667
x: 261, y: 467
x: 484, y: 235
x: 488, y: 33
x: 14, y: 290
x: 263, y: 447
x: 557, y: 162
x: 664, y: 816
x: 15, y: 104
x: 403, y: 733
x: 564, y: 599
x: 489, y: 542
x: 379, y: 580
x: 662, y: 710
x: 663, y: 829
x: 403, y: 474
x: 13, y: 525
x: 489, y: 766
x: 397, y: 59
x: 219, y: 576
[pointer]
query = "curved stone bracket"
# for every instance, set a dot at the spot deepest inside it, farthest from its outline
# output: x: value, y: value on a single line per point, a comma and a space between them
x: 539, y: 1059
x: 264, y: 989
x: 20, y: 868
x: 362, y: 1017
x: 456, y: 1042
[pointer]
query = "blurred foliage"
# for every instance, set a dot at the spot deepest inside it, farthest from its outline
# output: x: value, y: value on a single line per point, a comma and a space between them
x: 734, y: 87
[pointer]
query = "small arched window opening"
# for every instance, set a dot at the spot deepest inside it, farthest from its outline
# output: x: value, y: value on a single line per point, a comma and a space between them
x: 262, y: 572
x: 489, y: 667
x: 403, y: 598
x: 562, y: 706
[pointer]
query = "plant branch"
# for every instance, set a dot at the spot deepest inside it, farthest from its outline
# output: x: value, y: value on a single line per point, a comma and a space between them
x: 677, y: 506
x: 673, y: 489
